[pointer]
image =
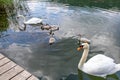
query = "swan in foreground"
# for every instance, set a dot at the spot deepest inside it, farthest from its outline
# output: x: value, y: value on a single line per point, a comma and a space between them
x: 99, y: 65
x: 33, y: 20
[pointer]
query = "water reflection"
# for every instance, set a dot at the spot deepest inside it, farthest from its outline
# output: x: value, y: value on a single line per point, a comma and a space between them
x: 96, y: 3
x: 30, y: 48
x: 84, y: 76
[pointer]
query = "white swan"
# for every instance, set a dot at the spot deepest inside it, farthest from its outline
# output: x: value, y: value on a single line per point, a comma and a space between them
x: 30, y: 21
x: 99, y: 65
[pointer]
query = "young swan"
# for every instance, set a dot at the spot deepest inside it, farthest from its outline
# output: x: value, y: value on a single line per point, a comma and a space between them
x: 52, y: 39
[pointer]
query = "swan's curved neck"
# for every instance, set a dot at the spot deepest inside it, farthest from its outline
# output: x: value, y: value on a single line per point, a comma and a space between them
x: 83, y: 58
x: 24, y: 19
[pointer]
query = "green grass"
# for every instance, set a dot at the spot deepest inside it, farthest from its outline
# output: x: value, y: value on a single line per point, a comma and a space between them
x: 5, y: 4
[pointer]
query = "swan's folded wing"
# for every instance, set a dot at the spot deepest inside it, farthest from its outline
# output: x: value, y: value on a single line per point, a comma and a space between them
x: 33, y: 21
x: 99, y: 65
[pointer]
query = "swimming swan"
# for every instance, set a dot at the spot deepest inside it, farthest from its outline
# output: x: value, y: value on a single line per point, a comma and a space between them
x: 50, y: 28
x: 99, y: 65
x: 30, y: 21
x: 52, y: 39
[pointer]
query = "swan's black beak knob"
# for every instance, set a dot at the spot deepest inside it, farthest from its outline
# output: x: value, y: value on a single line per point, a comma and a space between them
x: 80, y: 47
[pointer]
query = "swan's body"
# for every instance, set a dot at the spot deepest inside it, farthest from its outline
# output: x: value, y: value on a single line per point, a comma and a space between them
x: 51, y: 40
x: 99, y: 65
x: 45, y: 27
x: 31, y: 21
x: 54, y: 28
x: 50, y: 28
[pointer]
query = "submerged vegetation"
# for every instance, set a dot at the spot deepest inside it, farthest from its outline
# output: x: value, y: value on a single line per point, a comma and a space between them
x: 96, y: 3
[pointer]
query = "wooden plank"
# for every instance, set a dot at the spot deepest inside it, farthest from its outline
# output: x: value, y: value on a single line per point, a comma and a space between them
x: 6, y: 67
x: 32, y: 78
x: 4, y: 61
x: 11, y: 73
x: 22, y: 76
x: 1, y: 56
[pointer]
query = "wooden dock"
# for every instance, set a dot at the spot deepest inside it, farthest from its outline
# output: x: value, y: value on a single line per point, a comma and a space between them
x: 11, y: 71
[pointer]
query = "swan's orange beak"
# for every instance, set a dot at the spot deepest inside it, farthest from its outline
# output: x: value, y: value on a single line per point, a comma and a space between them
x: 79, y: 48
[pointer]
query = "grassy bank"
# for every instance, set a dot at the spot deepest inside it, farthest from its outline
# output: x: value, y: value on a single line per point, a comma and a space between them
x: 5, y: 4
x: 3, y: 22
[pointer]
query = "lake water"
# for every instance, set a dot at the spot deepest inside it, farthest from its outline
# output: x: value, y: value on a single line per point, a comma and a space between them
x: 31, y: 50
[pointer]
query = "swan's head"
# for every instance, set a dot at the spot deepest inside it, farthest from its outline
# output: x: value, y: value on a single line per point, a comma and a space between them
x: 18, y: 16
x: 83, y: 46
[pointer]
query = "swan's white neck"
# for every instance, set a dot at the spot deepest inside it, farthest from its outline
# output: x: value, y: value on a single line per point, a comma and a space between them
x: 83, y: 58
x: 24, y: 19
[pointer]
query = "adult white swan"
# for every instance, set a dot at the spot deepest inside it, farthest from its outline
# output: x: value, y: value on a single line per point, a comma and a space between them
x: 99, y: 65
x: 33, y: 20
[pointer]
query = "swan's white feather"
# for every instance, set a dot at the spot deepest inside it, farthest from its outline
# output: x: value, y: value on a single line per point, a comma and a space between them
x: 33, y: 21
x: 99, y: 65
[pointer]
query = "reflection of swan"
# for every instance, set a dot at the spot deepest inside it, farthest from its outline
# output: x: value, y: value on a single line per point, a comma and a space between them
x: 30, y: 21
x: 99, y: 65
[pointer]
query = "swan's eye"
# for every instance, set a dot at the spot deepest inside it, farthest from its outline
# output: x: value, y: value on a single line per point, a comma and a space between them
x: 17, y: 17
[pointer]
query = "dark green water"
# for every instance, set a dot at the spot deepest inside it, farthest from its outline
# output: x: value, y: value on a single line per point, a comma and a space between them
x: 93, y: 3
x: 30, y: 48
